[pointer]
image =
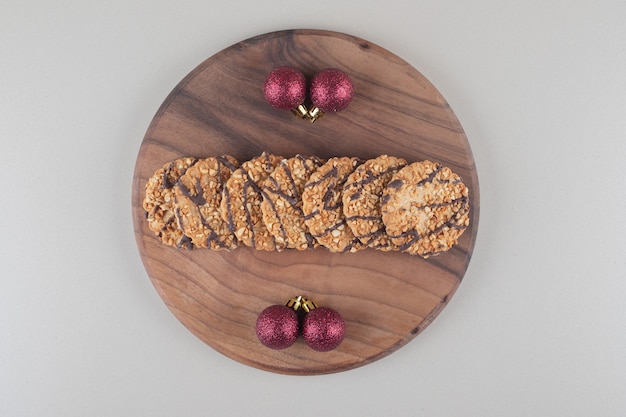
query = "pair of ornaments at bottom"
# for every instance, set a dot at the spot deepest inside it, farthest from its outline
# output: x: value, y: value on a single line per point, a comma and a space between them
x: 322, y: 328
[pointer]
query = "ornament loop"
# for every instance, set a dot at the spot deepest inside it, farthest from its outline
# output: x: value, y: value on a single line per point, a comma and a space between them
x: 314, y: 114
x: 301, y: 111
x: 301, y: 303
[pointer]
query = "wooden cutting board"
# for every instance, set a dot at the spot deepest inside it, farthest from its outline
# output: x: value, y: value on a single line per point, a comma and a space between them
x: 386, y: 298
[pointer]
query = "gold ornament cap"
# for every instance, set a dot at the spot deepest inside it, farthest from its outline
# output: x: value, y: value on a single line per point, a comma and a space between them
x: 300, y: 303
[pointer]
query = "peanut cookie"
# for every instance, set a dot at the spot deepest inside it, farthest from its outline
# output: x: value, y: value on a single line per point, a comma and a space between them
x: 198, y: 196
x: 362, y: 194
x: 159, y: 203
x: 282, y: 202
x: 323, y: 207
x: 241, y: 203
x: 425, y: 208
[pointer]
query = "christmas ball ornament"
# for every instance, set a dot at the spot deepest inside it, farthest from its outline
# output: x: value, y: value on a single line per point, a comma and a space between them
x: 277, y: 327
x: 331, y: 91
x: 285, y: 88
x: 323, y: 329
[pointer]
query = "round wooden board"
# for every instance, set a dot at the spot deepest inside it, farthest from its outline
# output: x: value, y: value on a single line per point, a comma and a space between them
x: 385, y: 298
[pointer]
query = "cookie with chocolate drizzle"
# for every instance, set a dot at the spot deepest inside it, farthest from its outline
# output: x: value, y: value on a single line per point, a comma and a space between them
x: 198, y: 197
x: 323, y: 206
x: 159, y: 203
x: 282, y: 202
x: 241, y: 203
x: 362, y: 194
x: 425, y: 208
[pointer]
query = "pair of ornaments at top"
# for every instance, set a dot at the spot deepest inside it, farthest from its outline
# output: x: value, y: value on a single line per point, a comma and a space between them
x: 331, y: 90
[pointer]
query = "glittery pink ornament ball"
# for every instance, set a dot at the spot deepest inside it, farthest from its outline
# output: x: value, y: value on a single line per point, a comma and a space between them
x: 285, y: 88
x: 323, y: 329
x: 331, y: 90
x: 277, y: 327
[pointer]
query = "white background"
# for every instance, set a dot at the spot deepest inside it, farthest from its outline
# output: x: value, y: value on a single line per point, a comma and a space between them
x: 537, y: 328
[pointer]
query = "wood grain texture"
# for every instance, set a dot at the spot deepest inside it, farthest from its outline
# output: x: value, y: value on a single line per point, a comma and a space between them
x: 385, y: 298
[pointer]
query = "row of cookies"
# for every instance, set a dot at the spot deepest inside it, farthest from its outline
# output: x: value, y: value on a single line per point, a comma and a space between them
x: 272, y: 203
